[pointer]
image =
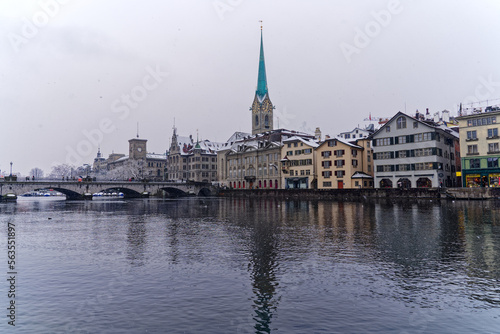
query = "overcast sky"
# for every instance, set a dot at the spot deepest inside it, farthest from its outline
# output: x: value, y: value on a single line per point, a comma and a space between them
x: 78, y: 73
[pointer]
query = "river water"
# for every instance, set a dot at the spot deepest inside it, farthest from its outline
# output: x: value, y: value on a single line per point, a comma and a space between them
x: 216, y: 265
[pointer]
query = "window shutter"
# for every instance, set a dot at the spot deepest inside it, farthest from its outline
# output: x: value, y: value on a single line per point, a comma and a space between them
x: 411, y: 138
x: 343, y: 152
x: 397, y: 168
x: 434, y: 165
x: 412, y: 153
x: 434, y: 151
x: 334, y: 152
x: 391, y: 140
x: 392, y: 168
x: 396, y: 140
x: 392, y: 155
x: 433, y: 136
x: 322, y: 164
x: 374, y: 142
x: 412, y: 166
x: 396, y: 154
x: 374, y: 156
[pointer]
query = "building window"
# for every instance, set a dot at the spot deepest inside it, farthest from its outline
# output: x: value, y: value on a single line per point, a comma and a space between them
x: 492, y: 162
x: 415, y: 125
x: 493, y: 148
x: 472, y: 149
x: 402, y: 140
x: 472, y: 135
x: 383, y: 141
x: 492, y: 133
x: 475, y: 163
x: 266, y: 121
x: 387, y: 128
x: 326, y: 174
x: 327, y: 184
x: 256, y: 120
x: 401, y: 123
x: 339, y: 173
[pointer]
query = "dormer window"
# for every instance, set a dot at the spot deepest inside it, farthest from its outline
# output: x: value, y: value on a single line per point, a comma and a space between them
x: 401, y: 123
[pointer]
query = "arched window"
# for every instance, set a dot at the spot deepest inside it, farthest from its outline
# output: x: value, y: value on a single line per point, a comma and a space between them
x: 385, y: 183
x: 265, y: 184
x: 401, y: 122
x: 266, y: 121
x: 256, y: 120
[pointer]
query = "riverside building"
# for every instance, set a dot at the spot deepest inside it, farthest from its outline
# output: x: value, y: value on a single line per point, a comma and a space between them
x: 480, y: 147
x: 411, y: 153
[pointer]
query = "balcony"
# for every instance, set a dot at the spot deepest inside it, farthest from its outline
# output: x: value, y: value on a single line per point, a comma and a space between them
x: 471, y: 139
x: 473, y: 153
x: 493, y: 152
x: 493, y: 137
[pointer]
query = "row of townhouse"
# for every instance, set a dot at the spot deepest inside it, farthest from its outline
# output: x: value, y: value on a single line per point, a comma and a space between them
x: 333, y: 163
x: 406, y: 152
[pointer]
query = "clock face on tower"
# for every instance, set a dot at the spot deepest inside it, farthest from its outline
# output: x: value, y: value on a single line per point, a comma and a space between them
x: 139, y: 149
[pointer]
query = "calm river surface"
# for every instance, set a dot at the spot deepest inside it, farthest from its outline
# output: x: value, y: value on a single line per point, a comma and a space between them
x: 217, y: 265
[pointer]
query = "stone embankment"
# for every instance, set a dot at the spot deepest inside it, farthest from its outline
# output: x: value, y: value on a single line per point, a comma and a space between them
x: 358, y: 194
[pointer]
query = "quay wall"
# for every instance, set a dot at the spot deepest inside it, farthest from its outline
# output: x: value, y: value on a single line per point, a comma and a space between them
x: 357, y: 194
x: 336, y: 194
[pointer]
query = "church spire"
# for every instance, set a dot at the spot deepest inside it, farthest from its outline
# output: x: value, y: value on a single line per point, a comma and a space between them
x: 262, y: 81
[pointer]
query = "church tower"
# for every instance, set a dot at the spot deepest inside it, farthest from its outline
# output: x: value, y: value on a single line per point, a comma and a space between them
x: 262, y: 108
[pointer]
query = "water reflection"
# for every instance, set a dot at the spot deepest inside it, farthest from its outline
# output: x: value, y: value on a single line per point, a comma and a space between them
x: 330, y: 260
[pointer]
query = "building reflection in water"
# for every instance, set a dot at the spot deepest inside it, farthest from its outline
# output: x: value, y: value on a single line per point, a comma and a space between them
x: 136, y: 240
x: 263, y: 238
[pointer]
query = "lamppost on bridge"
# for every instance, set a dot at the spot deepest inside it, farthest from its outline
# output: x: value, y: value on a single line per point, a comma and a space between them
x: 11, y: 169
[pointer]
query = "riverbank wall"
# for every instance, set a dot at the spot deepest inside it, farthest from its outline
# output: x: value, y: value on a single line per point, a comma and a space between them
x: 358, y: 194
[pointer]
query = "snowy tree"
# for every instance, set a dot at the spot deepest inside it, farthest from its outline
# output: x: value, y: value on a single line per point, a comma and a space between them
x: 59, y: 171
x: 36, y: 173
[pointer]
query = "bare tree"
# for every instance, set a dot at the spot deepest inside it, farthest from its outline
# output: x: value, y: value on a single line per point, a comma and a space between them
x: 61, y: 171
x: 36, y: 173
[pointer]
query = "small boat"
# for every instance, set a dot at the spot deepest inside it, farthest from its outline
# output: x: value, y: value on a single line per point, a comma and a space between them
x: 107, y: 195
x: 42, y: 195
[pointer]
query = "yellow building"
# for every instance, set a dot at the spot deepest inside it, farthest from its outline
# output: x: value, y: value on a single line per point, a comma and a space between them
x: 298, y: 163
x: 341, y: 164
x: 480, y: 148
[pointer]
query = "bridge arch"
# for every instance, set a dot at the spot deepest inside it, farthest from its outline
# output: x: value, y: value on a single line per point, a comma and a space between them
x: 70, y: 194
x: 174, y: 192
x: 205, y: 192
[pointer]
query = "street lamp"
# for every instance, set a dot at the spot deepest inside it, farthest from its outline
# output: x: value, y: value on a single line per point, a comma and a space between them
x: 11, y: 168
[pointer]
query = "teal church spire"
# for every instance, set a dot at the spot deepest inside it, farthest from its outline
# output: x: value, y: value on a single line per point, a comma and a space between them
x: 262, y: 81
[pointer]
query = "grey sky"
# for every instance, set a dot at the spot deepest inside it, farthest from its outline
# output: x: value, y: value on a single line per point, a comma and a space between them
x: 70, y: 74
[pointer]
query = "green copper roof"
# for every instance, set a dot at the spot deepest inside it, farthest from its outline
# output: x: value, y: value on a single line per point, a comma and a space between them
x: 262, y: 81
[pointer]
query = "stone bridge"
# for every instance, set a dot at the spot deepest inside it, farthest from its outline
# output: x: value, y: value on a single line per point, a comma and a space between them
x: 132, y: 189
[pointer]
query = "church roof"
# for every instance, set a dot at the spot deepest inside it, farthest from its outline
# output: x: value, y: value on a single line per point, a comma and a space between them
x: 262, y: 80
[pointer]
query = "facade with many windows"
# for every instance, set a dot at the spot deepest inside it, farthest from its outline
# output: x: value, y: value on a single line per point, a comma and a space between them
x: 298, y: 163
x: 410, y: 153
x: 480, y: 149
x: 253, y: 161
x: 343, y: 164
x: 188, y: 160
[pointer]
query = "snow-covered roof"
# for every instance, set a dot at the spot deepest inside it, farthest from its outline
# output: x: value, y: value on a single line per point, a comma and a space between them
x: 156, y: 156
x: 361, y: 175
x: 307, y: 141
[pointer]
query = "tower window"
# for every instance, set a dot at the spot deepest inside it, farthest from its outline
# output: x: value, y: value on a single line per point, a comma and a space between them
x: 266, y: 121
x: 256, y: 120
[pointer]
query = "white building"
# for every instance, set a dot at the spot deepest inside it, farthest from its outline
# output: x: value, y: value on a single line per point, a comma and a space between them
x: 411, y: 153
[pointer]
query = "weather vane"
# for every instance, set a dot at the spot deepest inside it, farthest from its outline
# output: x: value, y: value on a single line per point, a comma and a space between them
x: 260, y: 24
